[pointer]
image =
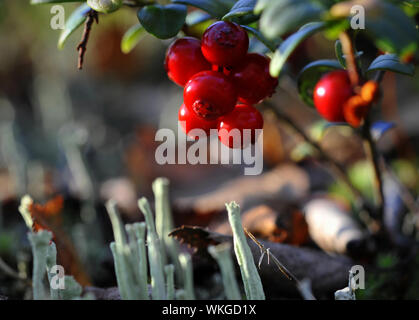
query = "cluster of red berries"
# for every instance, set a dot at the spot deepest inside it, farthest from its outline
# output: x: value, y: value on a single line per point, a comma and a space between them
x: 336, y: 100
x: 221, y: 81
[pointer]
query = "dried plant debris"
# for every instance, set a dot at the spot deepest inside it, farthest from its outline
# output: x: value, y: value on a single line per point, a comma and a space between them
x: 331, y: 227
x: 326, y: 273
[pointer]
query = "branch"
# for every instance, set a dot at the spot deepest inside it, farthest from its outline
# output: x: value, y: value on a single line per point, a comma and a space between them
x: 337, y: 168
x: 348, y: 50
x: 374, y: 157
x: 92, y: 16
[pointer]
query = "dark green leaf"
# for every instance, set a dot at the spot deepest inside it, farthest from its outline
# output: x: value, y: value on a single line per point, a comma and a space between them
x: 390, y: 62
x: 392, y: 30
x: 76, y: 19
x: 282, y: 16
x: 216, y: 8
x: 270, y: 44
x: 131, y: 38
x: 287, y: 47
x: 164, y: 22
x: 339, y: 53
x: 310, y: 75
x: 241, y: 8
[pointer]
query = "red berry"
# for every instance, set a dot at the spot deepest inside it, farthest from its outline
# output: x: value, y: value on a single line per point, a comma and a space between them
x: 242, y: 117
x: 224, y: 43
x: 252, y: 79
x: 184, y: 59
x: 189, y: 121
x: 210, y: 94
x: 330, y: 93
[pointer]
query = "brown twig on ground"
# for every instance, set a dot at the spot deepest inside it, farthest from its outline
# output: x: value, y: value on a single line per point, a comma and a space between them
x: 92, y: 16
x: 308, y: 295
x: 326, y: 273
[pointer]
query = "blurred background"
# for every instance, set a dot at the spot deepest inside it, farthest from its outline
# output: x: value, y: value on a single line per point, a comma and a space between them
x: 88, y: 136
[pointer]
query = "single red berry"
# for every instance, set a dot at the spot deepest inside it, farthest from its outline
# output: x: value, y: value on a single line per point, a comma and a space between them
x: 189, y: 121
x: 231, y: 127
x: 224, y: 43
x: 330, y: 94
x: 210, y: 94
x: 184, y: 59
x: 252, y: 79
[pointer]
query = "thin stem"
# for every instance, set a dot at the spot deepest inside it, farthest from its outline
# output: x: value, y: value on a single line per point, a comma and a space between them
x: 374, y: 158
x: 92, y: 16
x: 348, y: 50
x: 369, y: 144
x: 337, y: 168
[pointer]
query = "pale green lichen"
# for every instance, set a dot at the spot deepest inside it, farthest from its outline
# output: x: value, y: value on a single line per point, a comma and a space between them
x: 221, y: 253
x: 154, y: 253
x: 186, y: 263
x: 169, y: 270
x: 251, y: 279
x: 164, y: 223
x: 122, y: 254
x: 39, y: 242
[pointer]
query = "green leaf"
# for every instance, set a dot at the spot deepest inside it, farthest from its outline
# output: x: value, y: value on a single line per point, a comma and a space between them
x: 164, y: 22
x: 390, y: 62
x: 105, y: 6
x: 131, y: 38
x: 339, y: 53
x: 196, y: 17
x: 270, y: 44
x: 216, y: 8
x: 241, y: 8
x: 288, y: 46
x: 391, y: 29
x: 310, y: 74
x: 53, y: 1
x: 282, y: 16
x: 77, y: 18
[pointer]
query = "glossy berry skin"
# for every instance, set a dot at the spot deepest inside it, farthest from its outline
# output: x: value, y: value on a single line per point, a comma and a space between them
x: 210, y: 94
x: 189, y: 121
x: 242, y: 117
x: 252, y: 79
x: 224, y: 43
x: 330, y: 94
x: 184, y: 59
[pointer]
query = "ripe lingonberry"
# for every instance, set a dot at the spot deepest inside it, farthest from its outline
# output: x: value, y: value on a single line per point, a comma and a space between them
x: 330, y: 93
x: 184, y: 59
x: 210, y: 94
x: 242, y: 117
x: 252, y: 79
x: 224, y: 43
x: 189, y: 121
